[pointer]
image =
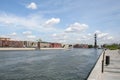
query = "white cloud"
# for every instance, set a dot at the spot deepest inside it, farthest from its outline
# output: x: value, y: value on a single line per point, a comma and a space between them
x: 36, y: 23
x: 101, y: 35
x: 13, y: 34
x: 60, y: 37
x: 89, y: 34
x: 104, y: 38
x: 4, y: 36
x: 27, y: 33
x: 85, y: 38
x: 33, y: 22
x: 52, y: 21
x: 76, y: 27
x: 32, y: 5
x: 97, y: 32
x: 54, y: 35
x: 12, y: 20
x: 110, y: 38
x: 31, y: 36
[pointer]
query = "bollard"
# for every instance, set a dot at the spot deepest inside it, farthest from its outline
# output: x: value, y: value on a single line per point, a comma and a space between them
x: 107, y: 60
x: 102, y: 66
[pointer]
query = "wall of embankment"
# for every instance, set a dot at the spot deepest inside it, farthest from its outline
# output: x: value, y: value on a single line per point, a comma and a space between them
x: 96, y: 73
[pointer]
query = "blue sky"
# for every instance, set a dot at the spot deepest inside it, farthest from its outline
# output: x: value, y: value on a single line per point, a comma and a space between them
x: 64, y: 21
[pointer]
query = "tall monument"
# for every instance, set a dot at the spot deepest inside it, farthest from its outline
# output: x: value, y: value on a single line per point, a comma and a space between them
x: 95, y: 43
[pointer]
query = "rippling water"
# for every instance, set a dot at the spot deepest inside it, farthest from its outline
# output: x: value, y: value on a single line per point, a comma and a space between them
x: 72, y: 64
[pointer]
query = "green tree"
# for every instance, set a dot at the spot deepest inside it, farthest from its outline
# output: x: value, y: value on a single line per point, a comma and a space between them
x: 112, y: 46
x: 39, y: 40
x: 90, y: 46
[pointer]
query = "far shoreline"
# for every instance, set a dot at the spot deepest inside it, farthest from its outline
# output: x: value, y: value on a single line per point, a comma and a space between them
x: 8, y: 49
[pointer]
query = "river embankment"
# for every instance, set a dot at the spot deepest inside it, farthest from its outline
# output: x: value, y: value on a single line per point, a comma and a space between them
x: 97, y: 68
x: 101, y: 71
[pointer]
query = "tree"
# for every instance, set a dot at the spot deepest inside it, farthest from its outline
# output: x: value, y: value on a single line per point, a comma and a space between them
x: 90, y: 46
x: 39, y: 40
x: 38, y: 43
x: 112, y: 46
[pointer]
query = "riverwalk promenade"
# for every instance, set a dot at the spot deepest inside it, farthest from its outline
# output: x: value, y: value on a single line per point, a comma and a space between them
x: 111, y: 71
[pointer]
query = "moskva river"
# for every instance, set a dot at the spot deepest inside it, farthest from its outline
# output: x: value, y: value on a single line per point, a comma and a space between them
x: 74, y: 64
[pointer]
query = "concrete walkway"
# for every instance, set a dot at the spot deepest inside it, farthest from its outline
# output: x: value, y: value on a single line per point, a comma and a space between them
x: 112, y: 71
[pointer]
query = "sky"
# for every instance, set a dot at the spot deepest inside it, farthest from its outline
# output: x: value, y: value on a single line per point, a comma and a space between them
x: 64, y: 21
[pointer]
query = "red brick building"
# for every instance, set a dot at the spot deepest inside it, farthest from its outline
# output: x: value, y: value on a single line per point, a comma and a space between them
x: 55, y: 45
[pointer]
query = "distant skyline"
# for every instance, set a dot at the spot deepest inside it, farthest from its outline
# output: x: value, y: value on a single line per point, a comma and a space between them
x: 64, y: 21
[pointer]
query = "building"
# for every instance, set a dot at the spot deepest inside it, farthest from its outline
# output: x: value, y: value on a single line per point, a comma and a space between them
x: 6, y: 42
x: 44, y: 45
x: 80, y: 46
x: 30, y: 44
x: 1, y: 38
x: 67, y: 46
x: 0, y: 43
x: 17, y: 44
x: 55, y: 45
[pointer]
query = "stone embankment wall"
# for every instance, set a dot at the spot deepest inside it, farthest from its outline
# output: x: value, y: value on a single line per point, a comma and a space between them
x: 96, y: 73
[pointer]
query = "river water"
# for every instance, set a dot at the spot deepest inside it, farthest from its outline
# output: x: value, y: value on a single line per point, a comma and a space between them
x: 72, y: 64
